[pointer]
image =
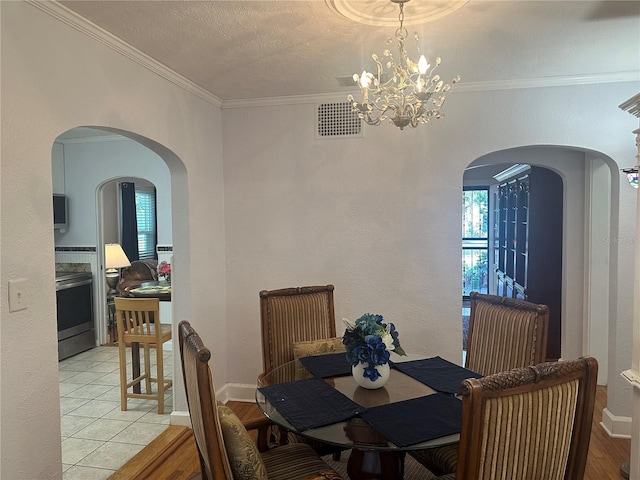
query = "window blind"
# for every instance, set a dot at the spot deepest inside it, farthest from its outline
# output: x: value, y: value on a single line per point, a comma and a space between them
x: 146, y: 221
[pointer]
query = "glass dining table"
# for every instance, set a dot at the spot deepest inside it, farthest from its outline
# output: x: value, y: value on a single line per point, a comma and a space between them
x: 317, y: 398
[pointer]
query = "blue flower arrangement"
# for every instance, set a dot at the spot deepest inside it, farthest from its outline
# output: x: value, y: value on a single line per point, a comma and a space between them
x: 369, y: 341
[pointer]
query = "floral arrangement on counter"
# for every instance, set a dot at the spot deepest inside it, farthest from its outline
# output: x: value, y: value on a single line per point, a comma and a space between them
x: 369, y: 341
x: 164, y: 271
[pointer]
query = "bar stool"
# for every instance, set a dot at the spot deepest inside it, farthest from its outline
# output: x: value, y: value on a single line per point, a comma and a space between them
x: 138, y: 323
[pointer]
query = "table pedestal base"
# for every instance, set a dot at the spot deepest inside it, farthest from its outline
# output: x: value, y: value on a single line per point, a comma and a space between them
x: 373, y: 465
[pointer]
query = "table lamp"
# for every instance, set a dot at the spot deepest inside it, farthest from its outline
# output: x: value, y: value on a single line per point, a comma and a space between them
x: 114, y: 258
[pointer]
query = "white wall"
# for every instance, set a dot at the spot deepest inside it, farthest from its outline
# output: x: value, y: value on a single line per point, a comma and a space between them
x: 89, y: 164
x: 54, y: 78
x: 379, y: 217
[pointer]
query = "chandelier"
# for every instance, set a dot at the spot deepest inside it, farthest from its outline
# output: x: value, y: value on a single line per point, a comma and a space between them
x: 408, y: 93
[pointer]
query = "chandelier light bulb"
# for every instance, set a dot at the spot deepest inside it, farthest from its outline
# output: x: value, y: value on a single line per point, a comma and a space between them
x: 405, y: 92
x: 423, y: 66
x: 365, y: 79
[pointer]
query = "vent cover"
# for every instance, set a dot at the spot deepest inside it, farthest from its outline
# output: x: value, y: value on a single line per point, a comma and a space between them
x: 338, y: 120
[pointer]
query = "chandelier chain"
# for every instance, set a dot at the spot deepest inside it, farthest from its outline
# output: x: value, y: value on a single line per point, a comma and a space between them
x: 401, y: 32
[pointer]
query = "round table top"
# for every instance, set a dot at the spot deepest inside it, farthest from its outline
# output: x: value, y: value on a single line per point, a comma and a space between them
x: 355, y: 432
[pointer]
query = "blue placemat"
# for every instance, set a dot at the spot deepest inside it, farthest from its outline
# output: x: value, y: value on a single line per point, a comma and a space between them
x: 328, y: 365
x: 310, y: 403
x: 438, y: 373
x: 417, y: 420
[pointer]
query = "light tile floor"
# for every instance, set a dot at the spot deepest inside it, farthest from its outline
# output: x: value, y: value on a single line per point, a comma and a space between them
x: 98, y: 437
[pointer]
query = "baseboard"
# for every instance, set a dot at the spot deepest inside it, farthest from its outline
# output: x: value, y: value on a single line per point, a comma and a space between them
x: 180, y: 418
x: 615, y: 426
x: 237, y: 392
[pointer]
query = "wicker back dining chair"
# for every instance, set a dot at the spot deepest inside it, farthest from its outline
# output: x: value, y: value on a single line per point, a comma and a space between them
x: 505, y: 333
x: 292, y: 315
x: 290, y: 318
x: 529, y: 423
x: 225, y: 448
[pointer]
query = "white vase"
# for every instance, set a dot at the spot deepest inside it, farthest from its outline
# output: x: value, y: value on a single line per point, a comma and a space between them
x: 358, y: 375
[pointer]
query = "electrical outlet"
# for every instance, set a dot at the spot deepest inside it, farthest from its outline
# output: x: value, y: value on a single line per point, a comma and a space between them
x: 17, y: 295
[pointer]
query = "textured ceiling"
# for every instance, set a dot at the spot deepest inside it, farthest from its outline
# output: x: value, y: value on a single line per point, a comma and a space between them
x: 258, y: 49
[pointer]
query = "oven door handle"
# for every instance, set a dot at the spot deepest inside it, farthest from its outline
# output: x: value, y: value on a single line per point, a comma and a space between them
x: 77, y: 283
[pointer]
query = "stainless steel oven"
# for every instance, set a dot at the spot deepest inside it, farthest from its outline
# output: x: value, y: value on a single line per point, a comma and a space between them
x: 76, y: 327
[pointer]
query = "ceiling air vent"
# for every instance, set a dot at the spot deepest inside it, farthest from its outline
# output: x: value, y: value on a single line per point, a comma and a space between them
x: 338, y: 120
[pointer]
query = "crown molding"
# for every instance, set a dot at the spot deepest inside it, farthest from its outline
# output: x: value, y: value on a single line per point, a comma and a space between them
x: 546, y: 82
x: 90, y: 29
x: 287, y: 100
x: 91, y: 139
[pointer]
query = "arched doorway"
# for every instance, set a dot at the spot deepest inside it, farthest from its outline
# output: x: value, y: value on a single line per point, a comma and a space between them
x: 96, y: 161
x: 586, y: 207
x: 108, y: 208
x: 93, y: 161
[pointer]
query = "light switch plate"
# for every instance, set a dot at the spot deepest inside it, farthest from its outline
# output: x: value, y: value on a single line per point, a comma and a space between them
x: 17, y: 294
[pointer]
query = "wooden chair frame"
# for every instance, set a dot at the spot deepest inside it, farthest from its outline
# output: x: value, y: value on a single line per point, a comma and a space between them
x: 535, y: 346
x: 138, y: 321
x: 280, y: 329
x: 196, y: 373
x: 477, y: 392
x: 207, y: 429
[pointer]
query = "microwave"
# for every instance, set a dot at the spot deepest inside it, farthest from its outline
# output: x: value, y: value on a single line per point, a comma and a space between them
x: 60, y: 212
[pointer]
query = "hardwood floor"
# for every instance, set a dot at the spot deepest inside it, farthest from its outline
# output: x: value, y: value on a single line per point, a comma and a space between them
x: 173, y: 454
x: 605, y: 453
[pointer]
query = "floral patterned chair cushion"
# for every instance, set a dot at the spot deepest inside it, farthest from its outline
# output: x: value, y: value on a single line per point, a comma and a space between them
x: 317, y: 347
x: 244, y: 457
x: 314, y: 347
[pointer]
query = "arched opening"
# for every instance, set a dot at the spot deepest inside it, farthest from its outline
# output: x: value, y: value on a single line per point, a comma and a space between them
x: 586, y: 208
x: 88, y: 165
x: 108, y: 211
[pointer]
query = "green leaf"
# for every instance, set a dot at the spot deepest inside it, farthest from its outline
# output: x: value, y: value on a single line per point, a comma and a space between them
x: 400, y: 351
